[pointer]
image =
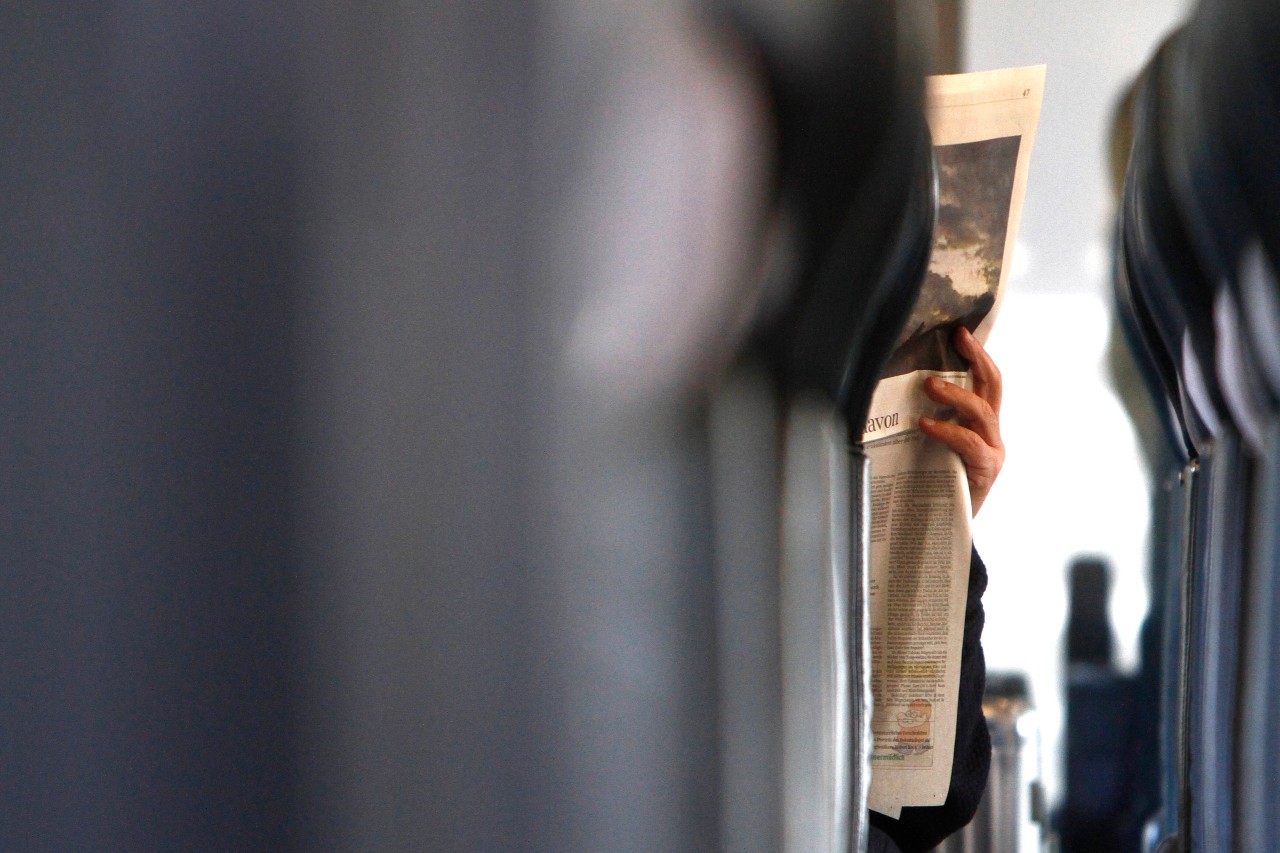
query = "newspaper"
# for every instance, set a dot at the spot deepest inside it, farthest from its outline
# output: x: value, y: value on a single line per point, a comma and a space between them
x: 983, y: 127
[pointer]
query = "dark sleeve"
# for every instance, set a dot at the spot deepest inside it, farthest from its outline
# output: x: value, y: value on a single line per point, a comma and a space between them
x: 922, y: 828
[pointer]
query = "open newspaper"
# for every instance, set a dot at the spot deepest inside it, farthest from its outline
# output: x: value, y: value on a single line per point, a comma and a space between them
x: 983, y: 126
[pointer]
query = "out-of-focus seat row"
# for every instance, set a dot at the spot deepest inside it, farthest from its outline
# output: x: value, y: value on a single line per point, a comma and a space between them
x: 428, y: 426
x: 1199, y: 299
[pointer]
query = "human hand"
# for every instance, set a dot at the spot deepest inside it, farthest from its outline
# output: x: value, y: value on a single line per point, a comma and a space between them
x: 976, y: 438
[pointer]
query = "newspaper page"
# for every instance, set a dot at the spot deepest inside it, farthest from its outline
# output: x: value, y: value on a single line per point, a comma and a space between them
x: 983, y: 126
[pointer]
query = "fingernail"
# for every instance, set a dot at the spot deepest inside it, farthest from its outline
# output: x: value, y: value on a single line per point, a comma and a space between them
x: 925, y: 421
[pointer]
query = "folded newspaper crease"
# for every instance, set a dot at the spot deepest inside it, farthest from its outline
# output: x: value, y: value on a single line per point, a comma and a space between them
x: 983, y: 127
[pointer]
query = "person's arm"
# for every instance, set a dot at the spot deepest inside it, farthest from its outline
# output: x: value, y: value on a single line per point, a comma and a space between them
x: 977, y: 441
x: 976, y: 438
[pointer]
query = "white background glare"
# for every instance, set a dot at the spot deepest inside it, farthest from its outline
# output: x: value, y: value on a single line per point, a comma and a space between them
x: 1073, y: 482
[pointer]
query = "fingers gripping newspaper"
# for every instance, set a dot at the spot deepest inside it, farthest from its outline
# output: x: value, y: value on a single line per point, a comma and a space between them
x: 983, y: 126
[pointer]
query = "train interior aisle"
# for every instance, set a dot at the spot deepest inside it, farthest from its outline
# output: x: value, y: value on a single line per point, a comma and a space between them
x: 438, y: 426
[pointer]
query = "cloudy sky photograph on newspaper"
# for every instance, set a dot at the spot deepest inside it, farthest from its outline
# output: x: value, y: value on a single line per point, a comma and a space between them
x: 975, y: 185
x: 983, y: 128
